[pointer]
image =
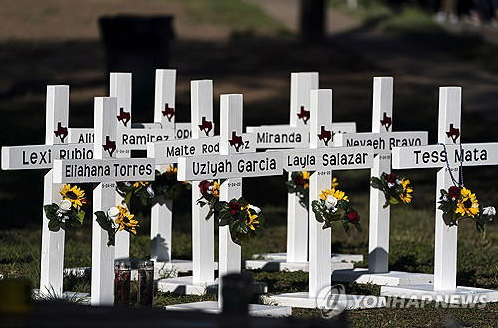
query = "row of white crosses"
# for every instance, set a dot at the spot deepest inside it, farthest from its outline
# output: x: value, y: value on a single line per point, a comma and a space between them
x: 447, y: 159
x: 104, y: 171
x: 203, y: 264
x: 232, y: 166
x: 381, y: 140
x: 296, y: 135
x: 322, y: 159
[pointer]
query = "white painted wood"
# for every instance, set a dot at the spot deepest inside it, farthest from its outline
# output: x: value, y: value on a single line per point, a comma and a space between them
x: 319, y: 239
x: 138, y: 139
x: 382, y: 142
x: 104, y: 197
x: 379, y: 217
x: 107, y: 170
x: 344, y: 301
x: 283, y: 265
x: 161, y: 229
x: 120, y: 88
x: 256, y: 310
x: 168, y: 151
x: 229, y: 260
x: 391, y: 278
x: 201, y: 96
x: 301, y: 85
x: 165, y: 97
x: 52, y: 252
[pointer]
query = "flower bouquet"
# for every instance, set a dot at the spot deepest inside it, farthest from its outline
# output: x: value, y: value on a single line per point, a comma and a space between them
x: 459, y: 203
x: 165, y: 185
x: 299, y: 184
x: 333, y: 206
x: 243, y: 219
x: 69, y: 211
x: 210, y: 194
x: 116, y: 219
x: 395, y: 188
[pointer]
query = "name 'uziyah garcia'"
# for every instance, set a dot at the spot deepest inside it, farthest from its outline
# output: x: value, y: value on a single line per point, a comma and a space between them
x: 227, y: 166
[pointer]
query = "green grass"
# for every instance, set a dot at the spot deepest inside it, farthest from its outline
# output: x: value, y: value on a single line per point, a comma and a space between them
x: 238, y: 15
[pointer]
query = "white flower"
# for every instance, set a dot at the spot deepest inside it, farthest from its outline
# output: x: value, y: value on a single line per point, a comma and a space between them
x: 255, y: 209
x: 398, y: 181
x: 210, y: 189
x: 65, y: 205
x: 490, y: 210
x: 113, y: 212
x: 390, y: 185
x: 330, y: 202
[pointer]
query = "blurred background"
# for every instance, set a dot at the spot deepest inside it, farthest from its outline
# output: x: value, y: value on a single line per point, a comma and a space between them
x: 251, y: 47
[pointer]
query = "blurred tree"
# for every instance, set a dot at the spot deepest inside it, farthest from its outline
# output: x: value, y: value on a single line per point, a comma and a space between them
x: 312, y: 20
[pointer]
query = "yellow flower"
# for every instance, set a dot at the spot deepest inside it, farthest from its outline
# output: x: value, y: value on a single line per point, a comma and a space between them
x: 216, y: 189
x: 339, y: 195
x: 467, y: 204
x: 140, y: 184
x: 252, y: 219
x: 172, y: 169
x: 334, y: 183
x: 306, y: 175
x: 125, y: 220
x: 406, y: 196
x: 74, y: 194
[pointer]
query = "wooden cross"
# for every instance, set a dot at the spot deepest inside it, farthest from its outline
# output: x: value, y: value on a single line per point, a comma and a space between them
x: 447, y: 159
x: 42, y: 157
x: 104, y: 170
x: 295, y: 135
x: 322, y: 160
x: 233, y: 166
x: 381, y: 141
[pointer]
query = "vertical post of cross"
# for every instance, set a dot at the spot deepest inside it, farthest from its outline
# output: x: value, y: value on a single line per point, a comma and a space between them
x: 229, y: 260
x: 104, y: 197
x: 319, y: 239
x: 52, y: 253
x: 378, y: 248
x: 445, y: 252
x: 120, y: 88
x: 201, y: 98
x: 162, y: 209
x: 297, y: 215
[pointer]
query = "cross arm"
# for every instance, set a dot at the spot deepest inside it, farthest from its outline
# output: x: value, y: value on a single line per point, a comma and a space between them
x: 381, y: 142
x: 435, y: 156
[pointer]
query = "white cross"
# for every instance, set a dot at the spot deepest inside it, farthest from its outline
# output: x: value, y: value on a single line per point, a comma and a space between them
x: 294, y: 135
x: 322, y: 159
x: 435, y: 156
x: 42, y: 157
x: 382, y: 139
x: 104, y: 171
x: 231, y: 165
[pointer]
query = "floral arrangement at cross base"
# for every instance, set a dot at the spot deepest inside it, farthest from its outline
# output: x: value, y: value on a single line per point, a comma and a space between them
x: 210, y: 194
x: 243, y: 219
x: 116, y: 218
x: 334, y: 206
x: 69, y: 212
x: 165, y: 185
x: 459, y: 203
x: 299, y: 184
x: 396, y: 189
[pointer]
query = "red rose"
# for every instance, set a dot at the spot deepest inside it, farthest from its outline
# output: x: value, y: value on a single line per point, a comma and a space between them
x: 454, y: 192
x: 353, y: 217
x: 234, y: 207
x: 299, y: 180
x: 391, y: 178
x: 204, y: 186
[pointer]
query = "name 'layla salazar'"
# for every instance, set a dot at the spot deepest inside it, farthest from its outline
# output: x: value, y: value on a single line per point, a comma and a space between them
x: 241, y: 165
x: 101, y: 170
x: 338, y: 159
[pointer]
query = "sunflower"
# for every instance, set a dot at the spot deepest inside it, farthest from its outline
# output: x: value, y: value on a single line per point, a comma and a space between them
x: 335, y: 183
x: 405, y: 195
x: 216, y: 189
x: 467, y: 204
x: 171, y: 169
x: 140, y: 184
x: 306, y: 178
x: 74, y: 194
x: 252, y: 219
x: 125, y: 220
x: 339, y: 195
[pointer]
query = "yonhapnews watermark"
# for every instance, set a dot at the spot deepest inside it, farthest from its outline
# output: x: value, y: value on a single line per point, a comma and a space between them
x: 333, y: 300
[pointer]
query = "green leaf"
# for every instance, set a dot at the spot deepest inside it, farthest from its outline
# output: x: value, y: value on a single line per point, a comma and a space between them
x: 376, y: 183
x: 80, y: 216
x: 54, y: 225
x: 317, y: 209
x: 51, y: 211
